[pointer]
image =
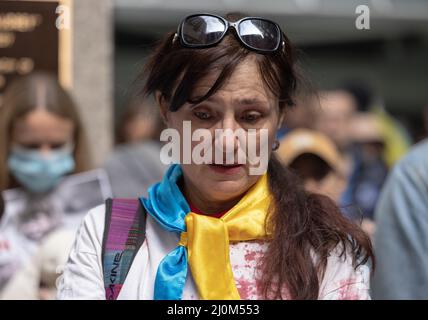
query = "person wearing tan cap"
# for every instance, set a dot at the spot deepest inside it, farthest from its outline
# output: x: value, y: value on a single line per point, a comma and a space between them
x: 315, y: 158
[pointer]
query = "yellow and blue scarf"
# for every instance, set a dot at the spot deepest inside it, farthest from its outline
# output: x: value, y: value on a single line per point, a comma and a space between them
x: 204, y: 240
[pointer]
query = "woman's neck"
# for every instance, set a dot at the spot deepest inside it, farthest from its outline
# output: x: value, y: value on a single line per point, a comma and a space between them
x: 202, y: 203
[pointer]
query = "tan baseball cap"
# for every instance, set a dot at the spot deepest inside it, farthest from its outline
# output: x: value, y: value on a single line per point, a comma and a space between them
x: 302, y: 141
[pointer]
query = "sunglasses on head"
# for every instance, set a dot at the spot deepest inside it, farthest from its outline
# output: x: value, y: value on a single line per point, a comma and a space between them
x: 205, y: 30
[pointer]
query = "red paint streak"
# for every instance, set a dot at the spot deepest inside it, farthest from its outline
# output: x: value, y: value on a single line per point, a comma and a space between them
x: 348, y: 290
x: 253, y: 255
x: 250, y: 256
x: 246, y: 289
x: 4, y: 245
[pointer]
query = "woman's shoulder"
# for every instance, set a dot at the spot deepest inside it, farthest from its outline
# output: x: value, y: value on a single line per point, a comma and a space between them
x: 90, y: 234
x: 96, y: 214
x: 82, y: 277
x: 344, y: 277
x: 95, y: 217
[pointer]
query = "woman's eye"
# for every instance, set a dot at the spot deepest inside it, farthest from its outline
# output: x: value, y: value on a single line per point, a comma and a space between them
x: 31, y: 146
x: 56, y: 146
x: 251, y: 117
x: 202, y: 115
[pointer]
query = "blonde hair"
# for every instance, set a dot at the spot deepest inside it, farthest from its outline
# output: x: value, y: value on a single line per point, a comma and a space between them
x: 26, y: 94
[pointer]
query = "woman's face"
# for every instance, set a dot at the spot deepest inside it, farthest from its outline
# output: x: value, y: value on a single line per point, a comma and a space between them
x: 42, y: 131
x: 243, y: 102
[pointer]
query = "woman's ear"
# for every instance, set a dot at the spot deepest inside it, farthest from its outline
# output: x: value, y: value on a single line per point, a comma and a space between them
x: 163, y: 106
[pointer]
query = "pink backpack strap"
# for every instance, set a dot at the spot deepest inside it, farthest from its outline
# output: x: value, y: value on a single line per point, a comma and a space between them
x: 124, y: 233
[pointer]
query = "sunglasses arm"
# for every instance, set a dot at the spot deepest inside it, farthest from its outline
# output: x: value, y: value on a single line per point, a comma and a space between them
x: 175, y: 38
x: 177, y: 33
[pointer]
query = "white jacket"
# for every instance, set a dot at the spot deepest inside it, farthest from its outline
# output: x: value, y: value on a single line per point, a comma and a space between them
x: 83, y: 274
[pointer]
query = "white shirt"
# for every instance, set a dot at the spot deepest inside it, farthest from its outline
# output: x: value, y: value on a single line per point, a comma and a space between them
x: 83, y: 274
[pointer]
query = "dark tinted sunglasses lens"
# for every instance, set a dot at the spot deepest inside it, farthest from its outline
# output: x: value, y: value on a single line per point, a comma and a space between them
x: 259, y: 34
x: 202, y: 30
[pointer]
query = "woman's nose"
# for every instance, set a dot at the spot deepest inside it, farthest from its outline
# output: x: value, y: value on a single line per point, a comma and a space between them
x: 227, y: 138
x: 45, y: 150
x: 229, y: 123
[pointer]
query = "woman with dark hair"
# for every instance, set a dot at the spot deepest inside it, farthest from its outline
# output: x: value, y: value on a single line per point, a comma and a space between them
x: 217, y: 230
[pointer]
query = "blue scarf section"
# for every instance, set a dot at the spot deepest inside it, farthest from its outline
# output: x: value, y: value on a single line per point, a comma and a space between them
x: 167, y: 205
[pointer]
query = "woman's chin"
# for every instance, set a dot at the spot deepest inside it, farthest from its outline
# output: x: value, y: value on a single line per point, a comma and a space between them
x: 221, y: 183
x: 223, y: 190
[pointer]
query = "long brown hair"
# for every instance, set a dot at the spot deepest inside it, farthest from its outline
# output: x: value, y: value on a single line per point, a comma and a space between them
x: 302, y: 223
x: 20, y: 98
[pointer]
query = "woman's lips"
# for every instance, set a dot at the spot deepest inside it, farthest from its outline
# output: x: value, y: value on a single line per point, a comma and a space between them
x: 226, y: 168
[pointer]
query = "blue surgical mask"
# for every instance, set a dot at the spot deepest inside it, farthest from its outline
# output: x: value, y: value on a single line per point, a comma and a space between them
x: 37, y: 172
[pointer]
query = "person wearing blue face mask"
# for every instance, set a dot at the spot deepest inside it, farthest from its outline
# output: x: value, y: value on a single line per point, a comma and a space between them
x: 41, y: 135
x: 41, y: 142
x: 37, y: 172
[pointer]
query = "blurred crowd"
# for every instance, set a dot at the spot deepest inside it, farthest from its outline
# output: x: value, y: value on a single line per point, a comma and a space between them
x: 341, y: 142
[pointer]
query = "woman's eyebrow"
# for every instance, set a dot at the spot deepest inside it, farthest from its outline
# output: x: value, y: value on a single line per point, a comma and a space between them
x: 248, y: 101
x: 251, y: 101
x: 208, y: 100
